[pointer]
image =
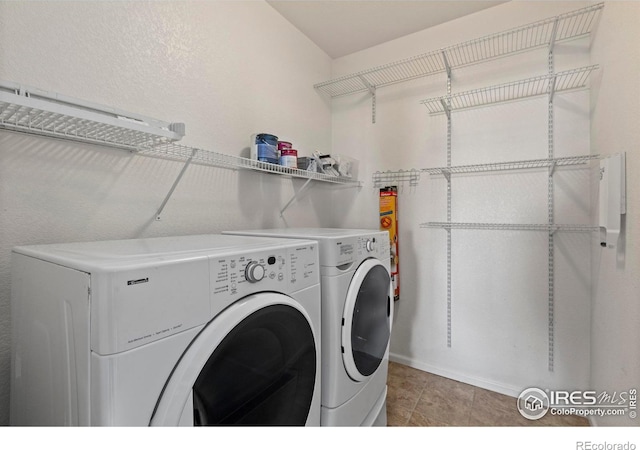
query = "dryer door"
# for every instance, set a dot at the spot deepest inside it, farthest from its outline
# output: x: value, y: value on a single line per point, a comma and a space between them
x: 254, y: 364
x: 366, y: 323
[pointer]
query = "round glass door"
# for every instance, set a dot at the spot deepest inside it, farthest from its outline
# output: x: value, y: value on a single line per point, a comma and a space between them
x: 367, y: 320
x: 260, y: 371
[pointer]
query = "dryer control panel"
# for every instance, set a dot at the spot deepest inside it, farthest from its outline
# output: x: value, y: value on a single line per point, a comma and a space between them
x: 375, y: 245
x: 285, y: 269
x: 345, y: 250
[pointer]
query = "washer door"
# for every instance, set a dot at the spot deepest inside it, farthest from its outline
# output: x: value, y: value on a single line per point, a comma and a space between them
x: 254, y: 364
x: 366, y: 323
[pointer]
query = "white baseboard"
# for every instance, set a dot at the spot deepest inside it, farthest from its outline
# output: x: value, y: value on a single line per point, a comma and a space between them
x: 511, y: 391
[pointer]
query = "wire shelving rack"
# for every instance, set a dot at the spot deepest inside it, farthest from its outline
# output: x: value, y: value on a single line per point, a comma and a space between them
x: 543, y: 33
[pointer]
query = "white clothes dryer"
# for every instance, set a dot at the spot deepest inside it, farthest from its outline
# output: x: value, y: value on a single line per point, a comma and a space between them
x: 357, y: 311
x: 191, y: 330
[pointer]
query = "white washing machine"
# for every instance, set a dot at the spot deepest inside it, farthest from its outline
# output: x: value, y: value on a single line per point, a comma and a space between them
x: 192, y: 330
x: 357, y: 311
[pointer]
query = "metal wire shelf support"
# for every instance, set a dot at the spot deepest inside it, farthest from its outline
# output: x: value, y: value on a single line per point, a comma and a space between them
x: 447, y: 105
x: 372, y: 91
x: 175, y: 184
x: 553, y: 80
x: 295, y: 197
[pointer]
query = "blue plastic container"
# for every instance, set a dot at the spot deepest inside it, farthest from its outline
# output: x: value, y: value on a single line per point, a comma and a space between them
x: 267, y: 148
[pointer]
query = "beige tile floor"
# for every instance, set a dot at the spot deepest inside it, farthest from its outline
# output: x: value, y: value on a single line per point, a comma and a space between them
x: 417, y: 398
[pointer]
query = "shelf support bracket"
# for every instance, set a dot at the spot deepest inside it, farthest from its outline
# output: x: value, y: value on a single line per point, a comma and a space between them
x: 295, y: 197
x: 447, y: 174
x: 372, y: 91
x: 552, y: 88
x: 446, y: 64
x: 446, y: 108
x: 552, y: 168
x: 552, y: 40
x: 175, y: 184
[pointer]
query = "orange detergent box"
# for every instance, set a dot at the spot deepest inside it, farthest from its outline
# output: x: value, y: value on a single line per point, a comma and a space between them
x: 389, y: 222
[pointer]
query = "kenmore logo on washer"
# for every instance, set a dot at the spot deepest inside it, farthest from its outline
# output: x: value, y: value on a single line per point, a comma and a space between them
x: 141, y: 280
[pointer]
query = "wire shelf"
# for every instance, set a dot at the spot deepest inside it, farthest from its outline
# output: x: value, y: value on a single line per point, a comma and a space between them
x: 566, y: 26
x: 211, y: 158
x: 550, y: 228
x: 396, y: 177
x: 513, y: 165
x: 33, y: 111
x: 530, y: 87
x: 30, y: 110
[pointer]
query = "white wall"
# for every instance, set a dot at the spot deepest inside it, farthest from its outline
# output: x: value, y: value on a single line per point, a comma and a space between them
x: 615, y: 97
x: 226, y: 69
x: 499, y: 279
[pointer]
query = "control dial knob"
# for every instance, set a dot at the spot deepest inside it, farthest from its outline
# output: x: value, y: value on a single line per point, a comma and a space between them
x: 369, y: 245
x: 254, y: 272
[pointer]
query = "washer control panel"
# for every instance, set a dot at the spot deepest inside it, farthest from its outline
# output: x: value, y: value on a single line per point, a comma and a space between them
x: 286, y: 269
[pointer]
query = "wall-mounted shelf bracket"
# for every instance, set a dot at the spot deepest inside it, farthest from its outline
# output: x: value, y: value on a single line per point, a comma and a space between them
x: 552, y: 88
x: 554, y: 32
x: 295, y: 196
x: 446, y: 108
x: 372, y: 91
x: 175, y: 184
x: 552, y: 167
x: 447, y: 66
